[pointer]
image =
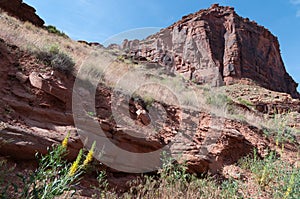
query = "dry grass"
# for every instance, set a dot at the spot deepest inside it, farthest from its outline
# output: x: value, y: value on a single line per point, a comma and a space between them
x: 255, y: 178
x: 34, y: 39
x: 269, y: 178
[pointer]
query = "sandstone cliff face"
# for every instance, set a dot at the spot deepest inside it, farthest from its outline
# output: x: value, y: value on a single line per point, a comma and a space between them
x: 217, y: 46
x: 22, y: 11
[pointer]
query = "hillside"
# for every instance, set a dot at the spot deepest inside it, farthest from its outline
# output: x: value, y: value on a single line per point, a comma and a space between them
x: 234, y: 123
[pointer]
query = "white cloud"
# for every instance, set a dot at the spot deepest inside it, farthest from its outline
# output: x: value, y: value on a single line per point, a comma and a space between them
x: 298, y: 13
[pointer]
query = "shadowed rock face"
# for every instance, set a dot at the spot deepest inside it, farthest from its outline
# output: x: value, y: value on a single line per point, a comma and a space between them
x: 22, y: 11
x: 218, y: 46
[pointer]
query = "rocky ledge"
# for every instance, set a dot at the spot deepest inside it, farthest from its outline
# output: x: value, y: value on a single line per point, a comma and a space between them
x: 22, y: 11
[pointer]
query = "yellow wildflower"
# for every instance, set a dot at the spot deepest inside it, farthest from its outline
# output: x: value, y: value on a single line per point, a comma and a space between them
x: 64, y: 143
x: 75, y: 164
x: 89, y: 156
x: 290, y: 187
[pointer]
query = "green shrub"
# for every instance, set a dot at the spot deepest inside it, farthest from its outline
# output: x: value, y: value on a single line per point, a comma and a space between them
x: 274, y: 176
x: 218, y: 100
x: 173, y: 181
x: 230, y: 189
x: 149, y: 100
x: 279, y: 129
x: 53, y: 177
x: 54, y: 30
x: 245, y: 102
x: 54, y: 49
x: 56, y: 59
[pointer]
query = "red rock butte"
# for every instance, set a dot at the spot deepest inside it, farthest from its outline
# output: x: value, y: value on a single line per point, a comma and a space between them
x: 218, y: 46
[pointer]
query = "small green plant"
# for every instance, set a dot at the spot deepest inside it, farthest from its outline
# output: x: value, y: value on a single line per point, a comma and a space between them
x: 173, y: 172
x: 56, y: 59
x: 292, y: 190
x: 274, y: 176
x: 280, y: 130
x: 91, y: 113
x: 245, y: 102
x: 262, y: 169
x: 230, y: 189
x: 53, y: 177
x: 102, y: 188
x: 173, y: 181
x: 54, y: 30
x: 218, y: 100
x: 54, y: 49
x: 148, y: 101
x: 145, y: 97
x: 121, y: 58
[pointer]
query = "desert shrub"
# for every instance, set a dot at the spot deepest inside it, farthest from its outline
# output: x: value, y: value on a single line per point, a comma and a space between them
x: 173, y: 181
x: 148, y: 100
x: 218, y: 100
x: 54, y: 30
x: 56, y: 59
x: 53, y: 177
x: 121, y: 58
x: 274, y: 176
x: 245, y: 102
x: 29, y: 25
x: 189, y: 98
x: 279, y: 129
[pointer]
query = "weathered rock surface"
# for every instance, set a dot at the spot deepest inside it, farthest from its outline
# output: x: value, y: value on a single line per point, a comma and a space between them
x: 217, y: 46
x: 36, y: 112
x: 22, y: 11
x: 22, y: 143
x: 35, y: 107
x: 264, y: 101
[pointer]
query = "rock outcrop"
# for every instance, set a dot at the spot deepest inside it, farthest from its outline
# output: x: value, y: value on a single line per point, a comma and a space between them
x: 37, y: 113
x: 217, y: 46
x: 36, y: 108
x: 22, y: 11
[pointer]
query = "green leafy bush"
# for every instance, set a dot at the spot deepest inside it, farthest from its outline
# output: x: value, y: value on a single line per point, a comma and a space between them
x: 54, y: 30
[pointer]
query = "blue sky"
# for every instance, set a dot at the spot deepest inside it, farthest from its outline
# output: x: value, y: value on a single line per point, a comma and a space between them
x: 98, y: 20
